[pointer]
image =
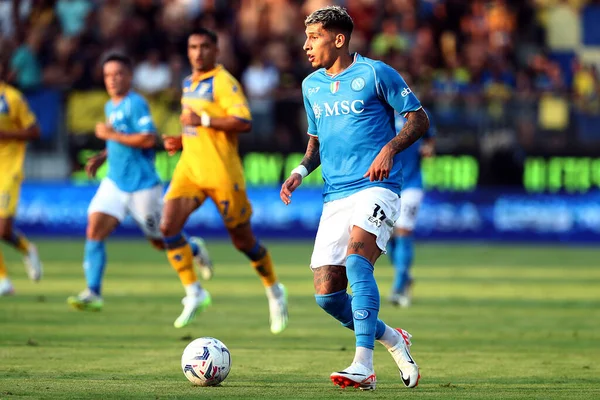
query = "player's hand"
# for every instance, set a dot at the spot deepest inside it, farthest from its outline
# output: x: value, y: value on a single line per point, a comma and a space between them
x: 92, y: 165
x: 103, y: 131
x: 288, y: 187
x: 172, y: 144
x: 427, y: 150
x: 190, y: 118
x: 380, y: 167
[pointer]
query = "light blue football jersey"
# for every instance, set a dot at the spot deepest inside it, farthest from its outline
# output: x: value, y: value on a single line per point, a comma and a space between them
x: 352, y: 115
x: 411, y: 157
x: 131, y: 168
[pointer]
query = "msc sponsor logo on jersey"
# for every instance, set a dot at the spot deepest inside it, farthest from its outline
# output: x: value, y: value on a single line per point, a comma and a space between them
x: 117, y: 121
x: 116, y: 116
x: 405, y: 92
x: 343, y: 107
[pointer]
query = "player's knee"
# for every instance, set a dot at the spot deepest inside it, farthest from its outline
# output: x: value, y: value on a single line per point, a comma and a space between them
x: 402, y: 232
x: 158, y: 244
x: 95, y: 232
x: 167, y: 228
x: 5, y: 231
x: 242, y: 242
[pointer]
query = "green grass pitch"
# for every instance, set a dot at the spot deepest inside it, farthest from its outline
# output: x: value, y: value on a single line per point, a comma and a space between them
x: 488, y: 322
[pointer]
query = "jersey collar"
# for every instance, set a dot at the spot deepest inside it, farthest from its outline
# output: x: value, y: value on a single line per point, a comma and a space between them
x: 207, y: 74
x: 355, y: 58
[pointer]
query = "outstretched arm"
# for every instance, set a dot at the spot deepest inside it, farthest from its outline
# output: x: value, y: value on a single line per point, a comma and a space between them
x: 310, y: 162
x: 416, y: 125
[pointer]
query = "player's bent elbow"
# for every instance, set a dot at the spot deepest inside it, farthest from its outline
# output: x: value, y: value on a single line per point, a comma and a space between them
x: 149, y: 142
x: 35, y: 132
x: 245, y: 126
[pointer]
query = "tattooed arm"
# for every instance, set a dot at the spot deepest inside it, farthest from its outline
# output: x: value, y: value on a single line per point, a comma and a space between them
x: 312, y: 158
x: 416, y: 125
x: 310, y: 162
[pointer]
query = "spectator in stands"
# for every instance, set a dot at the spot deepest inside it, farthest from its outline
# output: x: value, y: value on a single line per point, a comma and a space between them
x: 260, y: 80
x: 152, y: 75
x: 72, y: 15
x: 25, y: 67
x: 63, y: 68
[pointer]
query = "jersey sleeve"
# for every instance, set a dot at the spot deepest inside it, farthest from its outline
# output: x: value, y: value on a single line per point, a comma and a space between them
x: 21, y: 112
x: 310, y: 114
x: 230, y: 97
x: 392, y: 88
x: 141, y: 117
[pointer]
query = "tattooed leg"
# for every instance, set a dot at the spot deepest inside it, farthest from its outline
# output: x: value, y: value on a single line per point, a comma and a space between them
x: 364, y: 244
x: 330, y: 279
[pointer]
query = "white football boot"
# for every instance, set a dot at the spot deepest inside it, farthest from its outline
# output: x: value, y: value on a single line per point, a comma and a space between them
x: 33, y: 264
x: 6, y: 288
x: 203, y: 260
x: 278, y: 308
x: 86, y: 301
x: 356, y: 375
x: 409, y: 370
x: 191, y: 305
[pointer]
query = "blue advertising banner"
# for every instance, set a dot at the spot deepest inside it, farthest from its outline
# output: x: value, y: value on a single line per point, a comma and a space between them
x: 46, y: 104
x: 60, y: 209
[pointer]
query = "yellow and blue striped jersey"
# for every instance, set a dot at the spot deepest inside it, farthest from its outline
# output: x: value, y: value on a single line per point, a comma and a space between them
x: 14, y: 115
x: 211, y: 156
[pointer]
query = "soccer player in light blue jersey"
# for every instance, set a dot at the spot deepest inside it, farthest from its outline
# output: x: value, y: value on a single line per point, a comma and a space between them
x: 401, y: 245
x: 350, y: 102
x: 132, y: 185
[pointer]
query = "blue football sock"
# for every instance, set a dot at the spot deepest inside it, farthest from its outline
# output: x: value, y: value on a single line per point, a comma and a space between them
x: 391, y: 249
x: 94, y: 261
x: 403, y: 258
x: 339, y: 306
x: 365, y: 300
x: 257, y: 252
x: 179, y: 240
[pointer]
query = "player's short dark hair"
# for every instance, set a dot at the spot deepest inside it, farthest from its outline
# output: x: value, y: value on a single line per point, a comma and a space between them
x: 333, y: 18
x: 205, y: 32
x: 120, y: 58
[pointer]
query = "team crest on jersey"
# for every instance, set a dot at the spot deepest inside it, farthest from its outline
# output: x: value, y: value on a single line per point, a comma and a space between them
x: 358, y: 84
x: 334, y: 87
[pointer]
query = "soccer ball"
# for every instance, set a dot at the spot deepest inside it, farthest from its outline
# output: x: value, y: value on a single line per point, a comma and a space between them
x: 206, y: 361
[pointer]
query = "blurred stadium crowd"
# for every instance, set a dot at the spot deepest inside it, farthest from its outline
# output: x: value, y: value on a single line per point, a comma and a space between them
x: 518, y: 74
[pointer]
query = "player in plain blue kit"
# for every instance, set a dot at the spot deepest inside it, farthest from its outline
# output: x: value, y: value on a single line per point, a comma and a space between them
x: 401, y: 245
x: 132, y: 185
x: 350, y: 103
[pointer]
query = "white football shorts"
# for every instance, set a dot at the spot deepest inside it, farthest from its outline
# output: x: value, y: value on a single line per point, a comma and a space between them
x: 144, y: 206
x: 411, y: 202
x: 373, y: 209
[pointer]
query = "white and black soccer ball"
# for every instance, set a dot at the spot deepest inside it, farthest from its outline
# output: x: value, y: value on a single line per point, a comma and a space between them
x: 206, y: 361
